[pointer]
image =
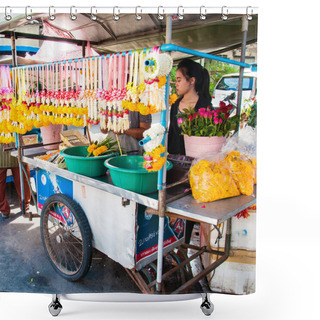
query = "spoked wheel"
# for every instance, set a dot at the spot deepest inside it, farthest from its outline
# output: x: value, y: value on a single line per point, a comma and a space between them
x: 66, y: 236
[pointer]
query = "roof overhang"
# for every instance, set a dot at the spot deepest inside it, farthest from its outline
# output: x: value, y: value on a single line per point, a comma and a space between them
x: 107, y: 35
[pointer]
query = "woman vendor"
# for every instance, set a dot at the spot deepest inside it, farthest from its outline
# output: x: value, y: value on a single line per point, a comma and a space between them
x: 192, y: 86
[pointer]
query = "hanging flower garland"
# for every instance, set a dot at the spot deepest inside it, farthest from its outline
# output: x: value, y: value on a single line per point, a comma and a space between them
x: 149, y: 96
x: 88, y: 91
x: 116, y: 118
x: 156, y: 69
x: 6, y: 97
x: 37, y: 108
x: 154, y: 159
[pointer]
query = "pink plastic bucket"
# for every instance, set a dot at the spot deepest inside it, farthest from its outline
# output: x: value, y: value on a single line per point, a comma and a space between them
x: 198, y: 147
x: 51, y: 134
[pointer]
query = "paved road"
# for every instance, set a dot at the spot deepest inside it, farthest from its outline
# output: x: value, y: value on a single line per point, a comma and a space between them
x: 24, y: 266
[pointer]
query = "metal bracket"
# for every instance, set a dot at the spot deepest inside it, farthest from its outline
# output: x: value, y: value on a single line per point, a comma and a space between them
x: 125, y: 202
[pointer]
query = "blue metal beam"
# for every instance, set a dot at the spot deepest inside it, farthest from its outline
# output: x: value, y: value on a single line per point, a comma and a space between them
x: 20, y: 49
x: 173, y: 47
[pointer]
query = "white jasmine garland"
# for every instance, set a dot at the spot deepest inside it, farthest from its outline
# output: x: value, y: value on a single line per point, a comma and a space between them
x: 162, y: 64
x: 156, y: 133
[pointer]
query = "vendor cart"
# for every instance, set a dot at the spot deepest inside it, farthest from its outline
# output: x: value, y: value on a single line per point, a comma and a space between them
x: 79, y: 213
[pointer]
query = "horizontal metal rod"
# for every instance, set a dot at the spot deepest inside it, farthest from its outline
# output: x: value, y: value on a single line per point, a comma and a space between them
x: 178, y: 196
x: 163, y: 10
x: 145, y: 50
x: 23, y: 35
x: 30, y: 146
x: 173, y: 47
x: 209, y: 250
x: 177, y: 183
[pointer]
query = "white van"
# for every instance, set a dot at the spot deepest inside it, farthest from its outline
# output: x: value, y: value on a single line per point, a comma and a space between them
x: 229, y: 84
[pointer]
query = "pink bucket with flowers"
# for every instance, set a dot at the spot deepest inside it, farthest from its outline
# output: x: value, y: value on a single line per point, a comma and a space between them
x: 205, y: 130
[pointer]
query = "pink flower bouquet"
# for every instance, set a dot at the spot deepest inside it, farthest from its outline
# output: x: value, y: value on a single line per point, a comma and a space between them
x: 207, y: 122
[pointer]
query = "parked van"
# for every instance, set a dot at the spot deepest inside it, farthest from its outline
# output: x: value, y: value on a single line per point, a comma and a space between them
x: 229, y: 83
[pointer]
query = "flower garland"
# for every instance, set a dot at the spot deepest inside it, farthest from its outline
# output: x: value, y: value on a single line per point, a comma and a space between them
x: 149, y: 96
x: 89, y: 91
x: 154, y: 160
x: 156, y: 134
x: 6, y: 96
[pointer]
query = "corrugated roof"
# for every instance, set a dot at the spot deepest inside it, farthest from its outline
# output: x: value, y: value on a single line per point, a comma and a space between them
x: 108, y: 35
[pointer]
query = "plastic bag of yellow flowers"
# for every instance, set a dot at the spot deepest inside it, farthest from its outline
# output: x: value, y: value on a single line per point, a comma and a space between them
x: 230, y: 176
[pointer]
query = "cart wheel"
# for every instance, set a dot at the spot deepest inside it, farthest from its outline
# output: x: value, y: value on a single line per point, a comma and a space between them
x: 66, y: 236
x: 55, y: 306
x: 206, y: 306
x: 148, y: 274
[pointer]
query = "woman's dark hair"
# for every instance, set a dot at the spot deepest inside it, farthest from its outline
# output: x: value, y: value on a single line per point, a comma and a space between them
x: 189, y: 69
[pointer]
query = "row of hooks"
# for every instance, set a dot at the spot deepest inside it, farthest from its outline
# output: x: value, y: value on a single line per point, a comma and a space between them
x: 138, y: 12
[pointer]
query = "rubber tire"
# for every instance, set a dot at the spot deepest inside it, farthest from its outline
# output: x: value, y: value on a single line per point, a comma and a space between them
x: 85, y: 230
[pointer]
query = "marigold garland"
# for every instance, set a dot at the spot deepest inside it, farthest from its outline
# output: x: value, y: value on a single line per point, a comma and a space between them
x: 153, y: 160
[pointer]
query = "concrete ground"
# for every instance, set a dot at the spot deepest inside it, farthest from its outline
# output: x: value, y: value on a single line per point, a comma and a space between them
x: 24, y: 266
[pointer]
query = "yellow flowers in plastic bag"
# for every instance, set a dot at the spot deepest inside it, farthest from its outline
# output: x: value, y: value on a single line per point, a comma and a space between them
x: 210, y: 182
x: 232, y: 176
x: 242, y: 170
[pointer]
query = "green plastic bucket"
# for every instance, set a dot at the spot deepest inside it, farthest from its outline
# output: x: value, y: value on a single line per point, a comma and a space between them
x: 78, y: 162
x: 127, y: 172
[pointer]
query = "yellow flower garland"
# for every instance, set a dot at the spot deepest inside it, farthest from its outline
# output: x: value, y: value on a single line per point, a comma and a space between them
x: 131, y: 102
x: 154, y: 160
x: 23, y: 118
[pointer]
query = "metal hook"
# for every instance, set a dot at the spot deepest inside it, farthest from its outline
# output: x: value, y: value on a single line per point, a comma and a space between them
x: 138, y: 17
x: 93, y: 16
x: 73, y: 17
x: 116, y: 17
x: 160, y: 15
x: 249, y: 15
x: 7, y: 16
x: 180, y: 14
x: 203, y: 13
x: 52, y: 16
x: 28, y: 16
x: 224, y: 13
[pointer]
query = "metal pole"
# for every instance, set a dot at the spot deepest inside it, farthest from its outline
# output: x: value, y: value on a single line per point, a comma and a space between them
x: 243, y: 58
x: 162, y: 191
x: 18, y: 136
x: 85, y: 128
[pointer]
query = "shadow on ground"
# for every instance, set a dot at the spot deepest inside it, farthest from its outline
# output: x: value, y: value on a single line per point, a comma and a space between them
x: 24, y: 266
